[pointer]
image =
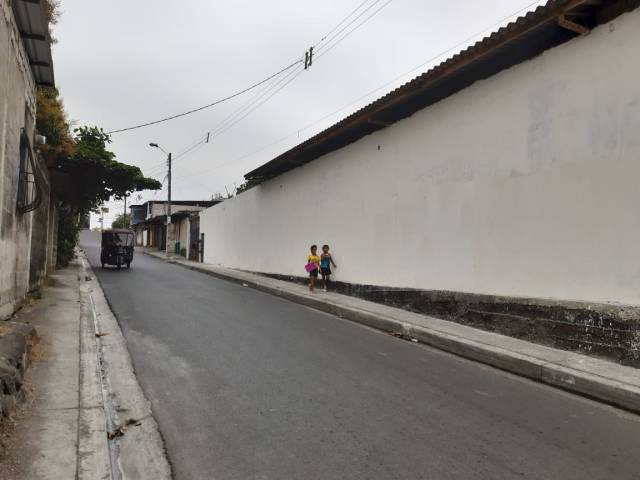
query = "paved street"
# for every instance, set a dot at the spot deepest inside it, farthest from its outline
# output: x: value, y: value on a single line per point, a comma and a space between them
x: 248, y: 386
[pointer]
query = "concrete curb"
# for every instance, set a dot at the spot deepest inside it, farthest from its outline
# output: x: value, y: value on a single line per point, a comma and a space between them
x: 15, y: 346
x: 139, y: 452
x: 558, y: 369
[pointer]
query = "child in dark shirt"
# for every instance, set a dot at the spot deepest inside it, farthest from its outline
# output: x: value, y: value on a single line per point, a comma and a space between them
x: 326, y: 260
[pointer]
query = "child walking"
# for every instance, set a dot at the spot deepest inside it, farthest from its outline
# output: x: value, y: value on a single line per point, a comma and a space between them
x: 326, y: 260
x: 312, y: 260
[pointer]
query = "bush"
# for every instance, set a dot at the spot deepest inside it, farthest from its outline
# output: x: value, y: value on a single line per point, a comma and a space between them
x: 68, y: 231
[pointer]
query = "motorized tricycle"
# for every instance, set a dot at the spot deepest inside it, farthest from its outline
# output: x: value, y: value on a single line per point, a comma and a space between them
x: 117, y: 247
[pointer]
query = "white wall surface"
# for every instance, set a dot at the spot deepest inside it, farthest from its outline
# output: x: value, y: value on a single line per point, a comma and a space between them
x: 183, y: 229
x: 524, y: 184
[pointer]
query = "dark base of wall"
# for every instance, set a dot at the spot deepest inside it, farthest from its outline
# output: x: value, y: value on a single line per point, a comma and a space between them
x: 596, y: 329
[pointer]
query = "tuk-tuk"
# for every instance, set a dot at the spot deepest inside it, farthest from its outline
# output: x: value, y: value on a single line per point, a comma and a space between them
x: 117, y: 247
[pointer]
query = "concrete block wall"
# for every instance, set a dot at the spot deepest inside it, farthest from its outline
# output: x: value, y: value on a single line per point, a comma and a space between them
x: 27, y: 241
x: 522, y: 185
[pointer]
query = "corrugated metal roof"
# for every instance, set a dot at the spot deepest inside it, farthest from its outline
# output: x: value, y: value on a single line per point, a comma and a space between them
x: 31, y: 18
x: 525, y: 38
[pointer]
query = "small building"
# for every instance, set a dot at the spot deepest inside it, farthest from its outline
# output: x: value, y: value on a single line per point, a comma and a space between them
x: 149, y: 221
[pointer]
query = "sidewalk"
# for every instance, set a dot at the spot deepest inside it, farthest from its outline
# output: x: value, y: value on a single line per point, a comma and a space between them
x: 588, y: 376
x: 64, y: 430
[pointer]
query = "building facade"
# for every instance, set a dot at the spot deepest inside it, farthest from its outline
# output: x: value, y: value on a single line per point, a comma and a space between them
x: 27, y: 207
x: 149, y: 221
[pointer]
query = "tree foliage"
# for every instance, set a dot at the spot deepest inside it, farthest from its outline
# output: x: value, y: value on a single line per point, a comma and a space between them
x: 92, y: 173
x: 52, y: 122
x: 52, y: 8
x: 95, y: 176
x: 122, y: 221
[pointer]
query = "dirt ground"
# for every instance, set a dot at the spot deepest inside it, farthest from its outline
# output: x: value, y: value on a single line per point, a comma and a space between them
x: 12, y: 458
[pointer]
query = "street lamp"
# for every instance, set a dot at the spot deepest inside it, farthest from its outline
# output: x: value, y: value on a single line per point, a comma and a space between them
x: 155, y: 145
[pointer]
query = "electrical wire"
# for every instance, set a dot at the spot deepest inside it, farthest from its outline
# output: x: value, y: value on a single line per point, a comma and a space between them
x: 201, y: 141
x: 217, y: 102
x: 264, y: 99
x: 245, y: 106
x: 328, y: 47
x: 255, y: 102
x: 324, y: 37
x: 320, y: 47
x: 193, y: 149
x: 248, y: 107
x: 160, y: 167
x: 371, y: 92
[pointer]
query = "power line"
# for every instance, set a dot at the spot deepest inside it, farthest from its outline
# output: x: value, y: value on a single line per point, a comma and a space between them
x: 172, y: 117
x: 341, y: 22
x: 320, y: 47
x: 249, y: 107
x: 237, y: 116
x: 193, y: 149
x: 328, y: 48
x: 386, y: 84
x: 264, y: 98
x: 257, y: 84
x: 158, y: 168
x: 201, y: 141
x: 246, y: 105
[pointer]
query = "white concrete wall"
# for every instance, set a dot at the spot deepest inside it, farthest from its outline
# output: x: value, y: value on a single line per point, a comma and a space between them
x: 524, y: 184
x: 182, y: 233
x: 17, y: 97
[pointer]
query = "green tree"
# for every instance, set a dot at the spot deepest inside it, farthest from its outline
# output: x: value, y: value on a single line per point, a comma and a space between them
x: 122, y: 221
x: 93, y: 176
x: 91, y: 171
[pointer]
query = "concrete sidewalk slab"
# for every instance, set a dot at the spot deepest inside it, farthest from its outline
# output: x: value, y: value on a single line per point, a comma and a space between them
x: 64, y: 432
x: 62, y: 421
x: 598, y: 379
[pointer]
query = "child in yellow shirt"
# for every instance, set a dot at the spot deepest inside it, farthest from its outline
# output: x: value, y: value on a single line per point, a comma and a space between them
x: 314, y: 258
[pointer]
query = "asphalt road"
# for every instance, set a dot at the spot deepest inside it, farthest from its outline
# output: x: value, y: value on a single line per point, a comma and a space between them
x: 248, y: 386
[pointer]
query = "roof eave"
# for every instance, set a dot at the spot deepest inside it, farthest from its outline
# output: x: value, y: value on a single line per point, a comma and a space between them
x: 525, y: 38
x: 33, y: 26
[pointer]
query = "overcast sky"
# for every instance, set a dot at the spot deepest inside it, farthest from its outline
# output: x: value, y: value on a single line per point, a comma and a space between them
x: 123, y: 62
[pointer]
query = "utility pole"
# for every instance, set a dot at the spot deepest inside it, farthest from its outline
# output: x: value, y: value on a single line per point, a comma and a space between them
x: 169, y: 229
x: 168, y: 203
x: 103, y: 210
x: 126, y: 223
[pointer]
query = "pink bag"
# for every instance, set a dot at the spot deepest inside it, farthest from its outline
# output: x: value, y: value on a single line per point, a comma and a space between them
x: 310, y: 267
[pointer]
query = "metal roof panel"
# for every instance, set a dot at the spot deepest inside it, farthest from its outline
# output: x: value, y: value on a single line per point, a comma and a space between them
x: 522, y: 39
x: 33, y: 25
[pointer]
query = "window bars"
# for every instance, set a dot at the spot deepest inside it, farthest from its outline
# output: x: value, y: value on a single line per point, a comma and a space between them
x: 29, y: 184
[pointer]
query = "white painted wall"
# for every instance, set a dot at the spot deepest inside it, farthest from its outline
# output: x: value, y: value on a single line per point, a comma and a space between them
x: 525, y: 184
x: 183, y: 229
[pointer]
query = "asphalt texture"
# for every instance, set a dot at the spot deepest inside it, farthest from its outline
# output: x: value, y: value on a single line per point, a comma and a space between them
x: 245, y: 385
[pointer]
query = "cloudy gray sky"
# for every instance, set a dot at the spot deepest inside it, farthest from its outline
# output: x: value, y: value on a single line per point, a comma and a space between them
x: 123, y: 62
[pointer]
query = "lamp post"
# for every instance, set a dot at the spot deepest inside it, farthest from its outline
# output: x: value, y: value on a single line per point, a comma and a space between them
x: 167, y: 243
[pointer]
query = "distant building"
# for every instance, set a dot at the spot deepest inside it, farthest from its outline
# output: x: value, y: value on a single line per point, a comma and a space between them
x: 149, y: 221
